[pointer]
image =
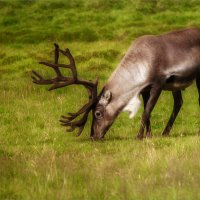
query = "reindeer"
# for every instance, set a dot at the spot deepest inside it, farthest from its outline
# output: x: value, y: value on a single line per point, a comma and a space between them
x: 153, y: 63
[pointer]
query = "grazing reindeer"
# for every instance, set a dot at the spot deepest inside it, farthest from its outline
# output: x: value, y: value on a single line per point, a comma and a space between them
x: 152, y: 64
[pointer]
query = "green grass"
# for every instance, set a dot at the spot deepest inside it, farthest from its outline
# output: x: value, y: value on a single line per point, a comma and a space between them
x: 38, y: 160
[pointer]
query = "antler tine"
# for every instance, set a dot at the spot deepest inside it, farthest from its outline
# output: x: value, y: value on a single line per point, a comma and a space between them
x: 61, y: 81
x: 80, y: 124
x: 38, y: 79
x: 92, y: 92
x: 56, y: 53
x: 72, y: 64
x: 86, y: 106
x: 56, y: 68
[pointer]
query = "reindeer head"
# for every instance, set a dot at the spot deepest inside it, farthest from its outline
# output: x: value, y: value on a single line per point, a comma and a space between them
x: 102, y: 113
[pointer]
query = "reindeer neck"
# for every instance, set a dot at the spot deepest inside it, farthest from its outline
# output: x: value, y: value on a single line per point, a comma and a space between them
x: 125, y: 84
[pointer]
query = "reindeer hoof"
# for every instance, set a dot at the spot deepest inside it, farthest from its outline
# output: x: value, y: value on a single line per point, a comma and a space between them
x: 165, y: 134
x: 139, y: 137
x: 148, y: 135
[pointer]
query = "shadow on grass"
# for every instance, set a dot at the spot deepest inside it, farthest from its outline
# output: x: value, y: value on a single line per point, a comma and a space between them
x: 115, y: 138
x: 155, y: 138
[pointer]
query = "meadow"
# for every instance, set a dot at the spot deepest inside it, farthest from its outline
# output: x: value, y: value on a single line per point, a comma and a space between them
x: 38, y: 158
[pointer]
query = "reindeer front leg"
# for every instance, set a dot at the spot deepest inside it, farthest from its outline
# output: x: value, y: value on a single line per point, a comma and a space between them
x: 178, y: 101
x: 145, y: 97
x: 198, y: 85
x: 155, y: 92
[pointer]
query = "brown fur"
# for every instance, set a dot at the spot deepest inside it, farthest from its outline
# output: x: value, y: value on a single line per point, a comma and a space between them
x: 153, y: 63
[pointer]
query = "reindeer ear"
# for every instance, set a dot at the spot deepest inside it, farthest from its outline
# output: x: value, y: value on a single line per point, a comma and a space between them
x: 107, y: 95
x: 105, y: 98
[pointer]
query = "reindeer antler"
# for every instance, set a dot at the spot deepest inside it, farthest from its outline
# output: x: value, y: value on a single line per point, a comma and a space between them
x: 62, y: 81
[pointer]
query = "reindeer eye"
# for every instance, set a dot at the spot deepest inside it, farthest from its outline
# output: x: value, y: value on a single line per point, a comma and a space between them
x: 98, y: 114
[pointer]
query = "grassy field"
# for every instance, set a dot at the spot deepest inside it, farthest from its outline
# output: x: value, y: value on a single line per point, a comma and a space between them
x: 38, y: 159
